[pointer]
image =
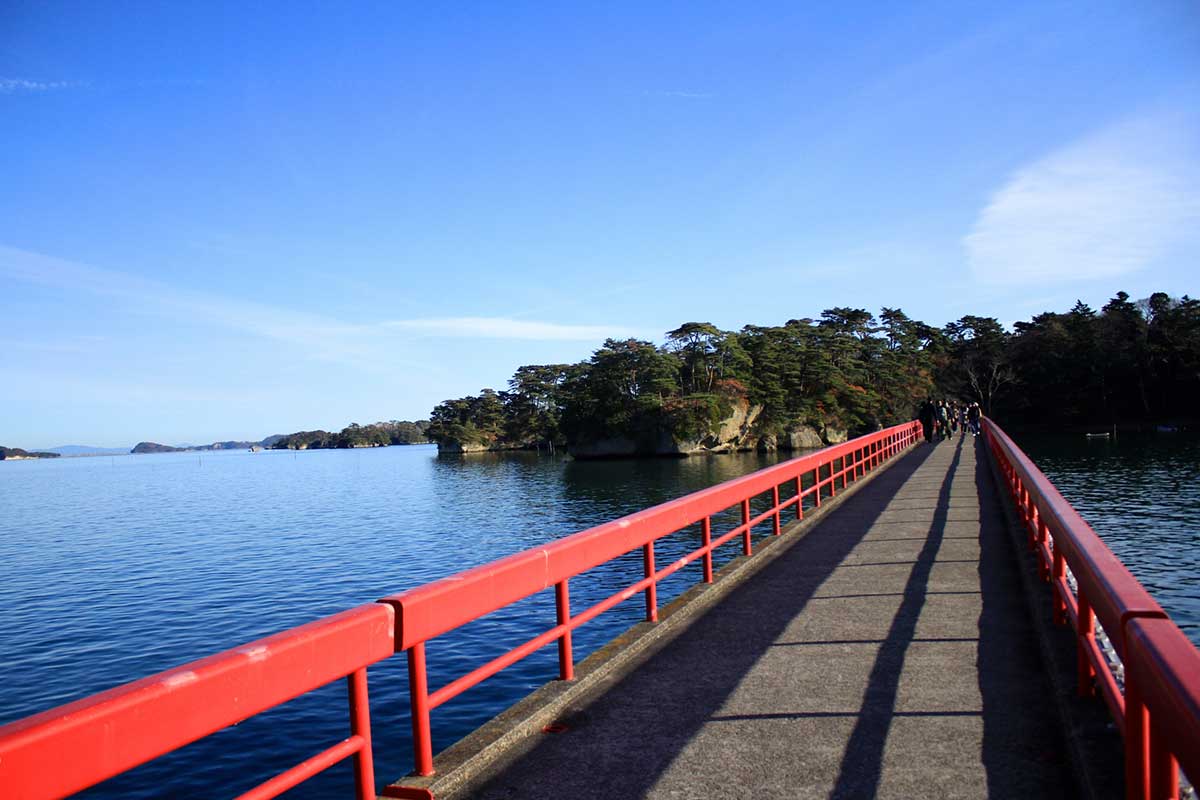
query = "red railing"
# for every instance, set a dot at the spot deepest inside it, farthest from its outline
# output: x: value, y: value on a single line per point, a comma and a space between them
x: 75, y: 746
x: 442, y: 606
x: 1158, y: 706
x: 69, y: 748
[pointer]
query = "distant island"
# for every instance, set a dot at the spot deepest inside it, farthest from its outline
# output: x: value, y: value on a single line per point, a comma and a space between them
x: 380, y: 434
x: 17, y: 454
x: 155, y: 447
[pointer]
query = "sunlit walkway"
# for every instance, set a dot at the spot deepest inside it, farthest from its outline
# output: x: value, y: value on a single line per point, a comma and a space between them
x: 888, y: 653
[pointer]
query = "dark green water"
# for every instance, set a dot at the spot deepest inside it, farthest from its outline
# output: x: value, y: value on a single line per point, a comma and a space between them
x: 1141, y: 493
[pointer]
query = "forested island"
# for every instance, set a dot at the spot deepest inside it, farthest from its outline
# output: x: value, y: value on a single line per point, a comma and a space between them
x: 814, y: 381
x: 17, y: 454
x: 154, y: 447
x: 380, y: 434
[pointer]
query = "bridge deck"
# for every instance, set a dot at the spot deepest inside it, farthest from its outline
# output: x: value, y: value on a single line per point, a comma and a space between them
x: 887, y: 653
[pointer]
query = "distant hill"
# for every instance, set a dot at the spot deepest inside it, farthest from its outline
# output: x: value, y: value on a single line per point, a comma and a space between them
x: 17, y: 454
x: 86, y: 450
x: 380, y: 434
x: 155, y: 447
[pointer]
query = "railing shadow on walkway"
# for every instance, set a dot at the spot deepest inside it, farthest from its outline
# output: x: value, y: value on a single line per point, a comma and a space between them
x: 862, y: 764
x: 1021, y: 759
x: 683, y: 683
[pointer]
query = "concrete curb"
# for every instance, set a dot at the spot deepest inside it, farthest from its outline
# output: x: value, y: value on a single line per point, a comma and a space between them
x: 469, y: 762
x: 1093, y: 740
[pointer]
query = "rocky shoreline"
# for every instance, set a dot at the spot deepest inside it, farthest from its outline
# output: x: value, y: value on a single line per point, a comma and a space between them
x: 738, y: 432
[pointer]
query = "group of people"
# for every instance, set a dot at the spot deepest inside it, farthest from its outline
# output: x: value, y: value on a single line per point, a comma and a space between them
x: 941, y: 419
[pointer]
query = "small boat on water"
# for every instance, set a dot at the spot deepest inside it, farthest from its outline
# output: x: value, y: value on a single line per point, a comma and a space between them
x: 1097, y: 435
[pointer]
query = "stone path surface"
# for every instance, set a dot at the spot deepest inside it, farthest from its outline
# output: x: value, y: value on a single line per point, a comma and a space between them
x: 887, y: 653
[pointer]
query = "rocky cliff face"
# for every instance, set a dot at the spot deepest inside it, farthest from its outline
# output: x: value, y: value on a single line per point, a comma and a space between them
x: 735, y: 432
x: 739, y: 431
x: 451, y: 446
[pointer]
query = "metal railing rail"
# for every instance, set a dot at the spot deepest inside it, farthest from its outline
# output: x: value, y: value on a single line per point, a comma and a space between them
x: 1156, y: 701
x: 436, y: 608
x: 75, y: 746
x: 70, y: 748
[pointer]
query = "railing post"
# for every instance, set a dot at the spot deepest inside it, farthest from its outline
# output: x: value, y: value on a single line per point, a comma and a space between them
x: 1058, y: 579
x: 799, y: 497
x: 777, y: 527
x: 832, y: 479
x: 817, y: 485
x: 360, y: 725
x: 652, y: 589
x: 562, y: 609
x: 706, y: 537
x: 1137, y: 744
x: 1164, y: 772
x: 747, y: 548
x: 1085, y: 633
x: 1042, y: 534
x: 418, y: 692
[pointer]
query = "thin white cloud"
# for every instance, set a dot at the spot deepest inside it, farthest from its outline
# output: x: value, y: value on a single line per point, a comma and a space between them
x: 505, y: 328
x: 317, y: 337
x: 26, y: 86
x: 684, y: 95
x: 371, y: 346
x: 1108, y: 205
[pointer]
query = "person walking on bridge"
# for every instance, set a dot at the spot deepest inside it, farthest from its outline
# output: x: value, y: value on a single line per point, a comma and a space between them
x: 926, y: 415
x: 973, y: 416
x: 943, y: 420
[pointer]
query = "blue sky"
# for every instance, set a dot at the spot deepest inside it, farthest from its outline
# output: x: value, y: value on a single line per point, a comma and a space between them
x: 230, y: 221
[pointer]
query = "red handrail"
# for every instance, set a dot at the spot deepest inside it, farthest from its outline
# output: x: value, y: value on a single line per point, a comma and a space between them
x: 67, y: 749
x: 1161, y: 666
x: 75, y: 746
x: 436, y: 608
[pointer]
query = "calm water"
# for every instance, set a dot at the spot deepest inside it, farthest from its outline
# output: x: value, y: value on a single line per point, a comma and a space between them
x: 115, y: 568
x: 112, y: 569
x: 1141, y: 493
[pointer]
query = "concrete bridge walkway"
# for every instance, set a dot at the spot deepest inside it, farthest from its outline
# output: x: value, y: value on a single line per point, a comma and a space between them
x: 887, y: 653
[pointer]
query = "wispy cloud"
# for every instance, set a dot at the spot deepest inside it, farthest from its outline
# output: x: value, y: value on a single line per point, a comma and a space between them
x: 506, y: 328
x: 680, y: 94
x: 370, y: 346
x: 316, y: 336
x: 1108, y: 205
x: 26, y: 86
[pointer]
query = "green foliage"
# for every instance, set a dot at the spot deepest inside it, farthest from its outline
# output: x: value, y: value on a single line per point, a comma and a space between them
x: 380, y: 434
x: 847, y: 370
x: 1131, y: 362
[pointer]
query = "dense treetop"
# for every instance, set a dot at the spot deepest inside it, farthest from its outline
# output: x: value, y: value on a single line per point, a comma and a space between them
x: 1129, y: 362
x: 379, y: 434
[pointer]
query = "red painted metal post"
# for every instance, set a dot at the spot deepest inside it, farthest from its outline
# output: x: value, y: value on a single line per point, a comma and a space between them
x: 747, y: 548
x: 817, y: 485
x: 1043, y: 532
x: 360, y: 725
x: 652, y: 589
x: 833, y: 480
x: 418, y: 692
x: 706, y: 536
x: 562, y: 608
x: 799, y: 497
x: 1085, y: 632
x: 1164, y: 772
x: 1057, y: 575
x: 777, y: 527
x: 1137, y: 744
